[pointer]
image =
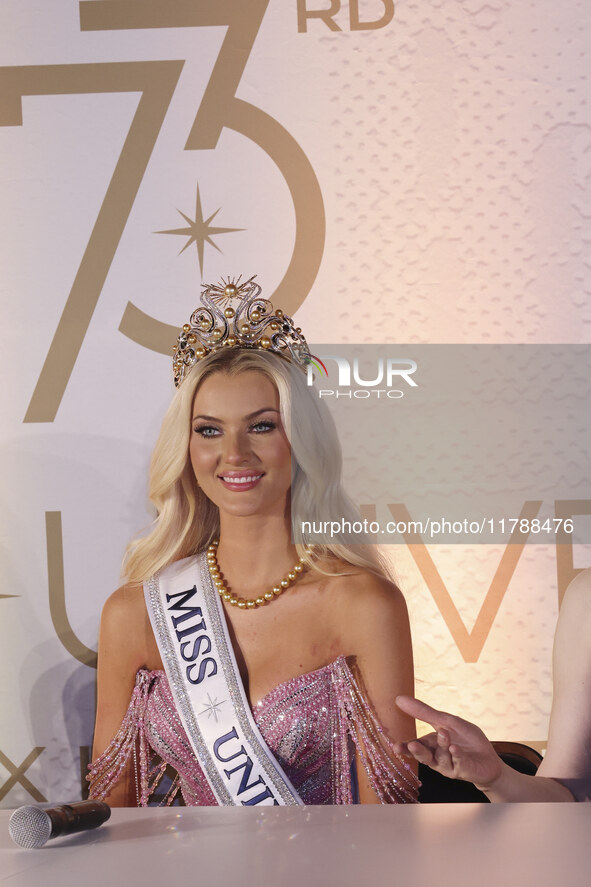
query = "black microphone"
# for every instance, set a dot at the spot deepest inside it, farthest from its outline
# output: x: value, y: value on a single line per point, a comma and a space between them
x: 32, y: 827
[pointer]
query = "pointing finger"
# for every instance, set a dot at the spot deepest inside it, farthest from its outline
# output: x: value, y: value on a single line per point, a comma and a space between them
x: 420, y: 710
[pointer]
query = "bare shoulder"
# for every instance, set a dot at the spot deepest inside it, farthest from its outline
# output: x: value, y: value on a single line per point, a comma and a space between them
x: 577, y: 599
x: 126, y: 603
x: 370, y: 619
x: 367, y: 607
x: 123, y: 624
x: 358, y: 587
x: 122, y: 650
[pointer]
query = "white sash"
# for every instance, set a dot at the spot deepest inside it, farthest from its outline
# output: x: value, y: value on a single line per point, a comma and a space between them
x: 190, y: 628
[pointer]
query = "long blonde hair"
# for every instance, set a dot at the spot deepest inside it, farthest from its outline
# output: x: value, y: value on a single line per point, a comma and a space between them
x: 187, y: 521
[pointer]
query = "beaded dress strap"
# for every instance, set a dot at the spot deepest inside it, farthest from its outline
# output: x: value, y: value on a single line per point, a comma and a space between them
x: 131, y: 741
x: 389, y: 775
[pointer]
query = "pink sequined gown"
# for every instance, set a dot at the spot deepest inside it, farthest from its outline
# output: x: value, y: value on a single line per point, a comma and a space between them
x: 311, y: 723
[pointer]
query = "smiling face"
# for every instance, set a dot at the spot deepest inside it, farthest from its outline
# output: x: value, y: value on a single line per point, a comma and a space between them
x: 239, y: 450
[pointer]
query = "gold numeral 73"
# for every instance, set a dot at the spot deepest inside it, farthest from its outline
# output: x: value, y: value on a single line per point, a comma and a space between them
x: 156, y: 81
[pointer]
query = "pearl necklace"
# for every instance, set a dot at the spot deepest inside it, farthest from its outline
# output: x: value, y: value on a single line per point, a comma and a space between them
x: 242, y: 603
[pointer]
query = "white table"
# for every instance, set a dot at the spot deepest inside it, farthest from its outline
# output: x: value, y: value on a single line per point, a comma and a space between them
x: 460, y: 845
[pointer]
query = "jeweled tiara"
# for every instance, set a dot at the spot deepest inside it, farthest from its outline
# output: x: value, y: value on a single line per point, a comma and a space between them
x: 235, y: 315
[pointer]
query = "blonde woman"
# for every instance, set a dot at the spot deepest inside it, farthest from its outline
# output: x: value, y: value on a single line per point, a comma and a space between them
x: 261, y: 669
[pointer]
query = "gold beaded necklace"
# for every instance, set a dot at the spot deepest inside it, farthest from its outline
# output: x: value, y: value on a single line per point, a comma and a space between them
x: 242, y: 603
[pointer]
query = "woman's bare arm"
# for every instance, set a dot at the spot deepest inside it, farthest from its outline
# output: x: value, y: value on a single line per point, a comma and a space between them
x: 568, y: 756
x: 120, y: 654
x: 376, y: 626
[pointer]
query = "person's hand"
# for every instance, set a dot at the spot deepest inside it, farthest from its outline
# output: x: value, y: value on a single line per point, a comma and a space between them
x: 457, y: 748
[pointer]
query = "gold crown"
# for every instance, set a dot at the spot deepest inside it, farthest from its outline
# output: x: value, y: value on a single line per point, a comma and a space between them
x: 234, y: 315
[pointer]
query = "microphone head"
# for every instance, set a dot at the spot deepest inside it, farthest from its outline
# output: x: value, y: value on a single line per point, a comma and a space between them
x: 30, y: 827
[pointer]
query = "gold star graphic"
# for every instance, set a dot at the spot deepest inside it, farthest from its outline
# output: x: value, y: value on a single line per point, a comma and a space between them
x: 199, y: 230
